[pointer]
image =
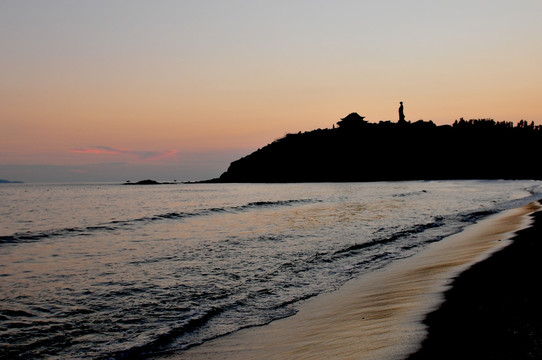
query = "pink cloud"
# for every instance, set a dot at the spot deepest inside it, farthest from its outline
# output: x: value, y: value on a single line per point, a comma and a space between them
x: 97, y: 150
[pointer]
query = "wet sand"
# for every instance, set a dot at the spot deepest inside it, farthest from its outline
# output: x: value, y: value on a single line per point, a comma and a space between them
x: 380, y: 315
x: 494, y: 309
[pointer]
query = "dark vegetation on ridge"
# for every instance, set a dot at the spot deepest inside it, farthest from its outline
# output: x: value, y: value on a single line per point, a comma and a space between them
x: 357, y: 150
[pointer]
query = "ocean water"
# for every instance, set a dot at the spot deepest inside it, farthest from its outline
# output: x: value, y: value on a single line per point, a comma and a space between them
x: 109, y: 271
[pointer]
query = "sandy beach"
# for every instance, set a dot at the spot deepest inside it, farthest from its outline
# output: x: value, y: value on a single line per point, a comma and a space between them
x: 493, y: 309
x: 384, y: 315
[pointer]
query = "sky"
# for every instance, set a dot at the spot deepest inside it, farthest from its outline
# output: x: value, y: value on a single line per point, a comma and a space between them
x: 110, y: 90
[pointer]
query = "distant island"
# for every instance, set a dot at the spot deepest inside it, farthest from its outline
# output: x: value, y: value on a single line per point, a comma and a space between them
x: 356, y: 150
x: 149, y: 182
x: 2, y: 181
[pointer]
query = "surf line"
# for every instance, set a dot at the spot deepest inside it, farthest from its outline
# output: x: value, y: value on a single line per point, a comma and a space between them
x: 378, y: 315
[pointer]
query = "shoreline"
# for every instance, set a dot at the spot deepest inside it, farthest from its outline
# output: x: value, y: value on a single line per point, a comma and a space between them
x: 377, y: 316
x: 492, y: 310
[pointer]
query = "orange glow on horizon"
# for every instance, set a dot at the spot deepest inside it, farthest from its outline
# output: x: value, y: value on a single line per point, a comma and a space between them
x: 207, y: 78
x: 141, y: 155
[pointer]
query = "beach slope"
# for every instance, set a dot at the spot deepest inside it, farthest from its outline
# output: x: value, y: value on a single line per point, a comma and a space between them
x: 494, y: 309
x: 381, y: 315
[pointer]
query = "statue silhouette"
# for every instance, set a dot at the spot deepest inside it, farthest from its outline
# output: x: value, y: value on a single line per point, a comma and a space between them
x: 401, y: 113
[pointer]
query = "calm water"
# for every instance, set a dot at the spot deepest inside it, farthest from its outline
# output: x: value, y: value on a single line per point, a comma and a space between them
x: 110, y: 271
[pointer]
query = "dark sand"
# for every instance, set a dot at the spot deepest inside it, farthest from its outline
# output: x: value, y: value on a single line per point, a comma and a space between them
x: 494, y: 309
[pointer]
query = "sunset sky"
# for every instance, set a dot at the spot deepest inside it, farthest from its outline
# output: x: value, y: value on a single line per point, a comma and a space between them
x: 116, y: 90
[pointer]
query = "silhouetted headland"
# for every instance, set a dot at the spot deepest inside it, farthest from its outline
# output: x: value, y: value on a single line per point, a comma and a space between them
x: 357, y: 150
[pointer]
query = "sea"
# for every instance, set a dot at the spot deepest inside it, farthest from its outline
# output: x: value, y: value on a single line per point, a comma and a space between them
x: 106, y: 271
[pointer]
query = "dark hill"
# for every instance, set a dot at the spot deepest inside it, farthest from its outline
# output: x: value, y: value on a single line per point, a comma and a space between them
x: 360, y: 151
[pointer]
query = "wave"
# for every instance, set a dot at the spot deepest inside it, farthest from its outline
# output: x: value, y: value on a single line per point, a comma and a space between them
x: 194, y: 329
x: 154, y: 346
x: 33, y: 236
x: 174, y: 339
x: 416, y: 229
x: 461, y: 220
x: 475, y: 216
